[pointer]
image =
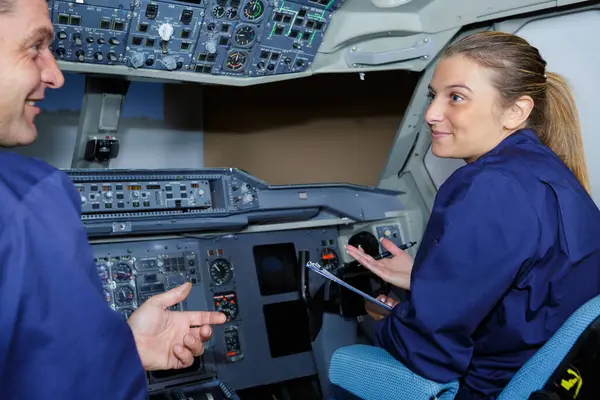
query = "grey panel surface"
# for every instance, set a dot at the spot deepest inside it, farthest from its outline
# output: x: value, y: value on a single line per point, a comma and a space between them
x: 179, y: 24
x: 95, y: 34
x: 126, y: 201
x: 224, y: 277
x: 239, y: 38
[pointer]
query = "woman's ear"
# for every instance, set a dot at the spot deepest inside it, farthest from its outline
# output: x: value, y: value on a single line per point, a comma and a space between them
x: 518, y: 113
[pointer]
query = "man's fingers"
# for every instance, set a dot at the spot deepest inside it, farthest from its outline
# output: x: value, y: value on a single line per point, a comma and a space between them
x: 205, y: 333
x: 199, y: 318
x: 193, y: 344
x: 173, y: 296
x: 185, y: 356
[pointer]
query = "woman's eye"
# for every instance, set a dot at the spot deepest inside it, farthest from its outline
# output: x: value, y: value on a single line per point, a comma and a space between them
x: 456, y: 97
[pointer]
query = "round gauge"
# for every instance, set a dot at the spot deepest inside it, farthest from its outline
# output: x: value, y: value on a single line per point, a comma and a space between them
x: 227, y: 305
x: 236, y: 60
x: 232, y: 13
x: 103, y: 273
x: 244, y: 35
x: 254, y: 9
x: 124, y: 295
x: 221, y: 271
x: 218, y: 12
x: 329, y: 259
x: 367, y: 241
x: 122, y: 272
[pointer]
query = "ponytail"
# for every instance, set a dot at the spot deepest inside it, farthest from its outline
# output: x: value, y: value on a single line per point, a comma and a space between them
x: 560, y: 128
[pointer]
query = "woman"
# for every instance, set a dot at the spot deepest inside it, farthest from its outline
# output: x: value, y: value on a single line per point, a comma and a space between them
x: 511, y: 249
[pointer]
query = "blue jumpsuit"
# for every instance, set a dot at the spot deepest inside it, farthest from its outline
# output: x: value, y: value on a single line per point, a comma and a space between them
x: 58, y: 337
x: 511, y: 250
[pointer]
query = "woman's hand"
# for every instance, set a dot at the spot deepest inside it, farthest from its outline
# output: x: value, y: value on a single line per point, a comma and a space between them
x: 395, y: 270
x: 377, y: 312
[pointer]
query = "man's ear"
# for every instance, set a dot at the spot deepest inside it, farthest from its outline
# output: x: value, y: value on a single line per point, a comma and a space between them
x: 518, y: 113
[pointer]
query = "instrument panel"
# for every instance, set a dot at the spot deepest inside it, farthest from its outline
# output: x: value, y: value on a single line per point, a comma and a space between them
x: 241, y: 38
x: 121, y: 202
x: 252, y: 278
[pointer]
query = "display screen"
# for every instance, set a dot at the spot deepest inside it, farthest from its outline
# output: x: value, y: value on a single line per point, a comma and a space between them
x: 277, y: 268
x: 150, y: 187
x: 133, y: 187
x: 287, y: 328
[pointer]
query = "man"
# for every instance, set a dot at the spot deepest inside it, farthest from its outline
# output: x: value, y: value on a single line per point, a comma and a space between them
x: 58, y: 339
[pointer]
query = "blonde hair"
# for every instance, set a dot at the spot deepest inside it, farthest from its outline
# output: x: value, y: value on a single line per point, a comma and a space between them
x: 520, y: 70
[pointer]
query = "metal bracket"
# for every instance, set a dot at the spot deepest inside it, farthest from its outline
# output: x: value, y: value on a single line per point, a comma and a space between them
x: 423, y: 49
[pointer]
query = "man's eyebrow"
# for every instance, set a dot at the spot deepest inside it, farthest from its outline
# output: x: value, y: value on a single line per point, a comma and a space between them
x: 40, y: 34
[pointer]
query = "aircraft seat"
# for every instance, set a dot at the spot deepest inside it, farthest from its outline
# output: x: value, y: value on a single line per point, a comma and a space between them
x: 566, y: 367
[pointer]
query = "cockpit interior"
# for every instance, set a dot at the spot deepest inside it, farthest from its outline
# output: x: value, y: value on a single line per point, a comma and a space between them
x: 228, y: 142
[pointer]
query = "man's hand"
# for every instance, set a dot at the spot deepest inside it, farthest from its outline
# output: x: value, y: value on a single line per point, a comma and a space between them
x: 165, y: 339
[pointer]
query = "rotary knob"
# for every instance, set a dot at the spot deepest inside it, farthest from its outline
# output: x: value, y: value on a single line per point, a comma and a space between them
x: 211, y: 47
x: 169, y: 62
x: 137, y: 60
x: 165, y: 32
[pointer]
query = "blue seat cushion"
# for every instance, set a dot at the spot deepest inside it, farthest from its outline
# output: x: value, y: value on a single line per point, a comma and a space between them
x: 371, y: 373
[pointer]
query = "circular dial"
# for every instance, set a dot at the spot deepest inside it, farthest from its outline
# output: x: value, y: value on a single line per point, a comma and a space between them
x: 244, y: 35
x: 218, y: 12
x: 227, y: 305
x: 124, y: 295
x: 236, y: 60
x: 254, y: 10
x: 122, y: 272
x: 221, y: 271
x: 329, y: 259
x: 232, y: 13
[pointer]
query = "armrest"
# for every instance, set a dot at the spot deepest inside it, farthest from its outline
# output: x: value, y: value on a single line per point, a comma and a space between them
x: 371, y: 373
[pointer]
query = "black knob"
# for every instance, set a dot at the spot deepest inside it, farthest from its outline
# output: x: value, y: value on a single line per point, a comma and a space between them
x: 150, y: 62
x: 61, y: 35
x: 60, y: 52
x: 112, y: 57
x: 80, y: 55
x: 114, y: 41
x: 99, y: 56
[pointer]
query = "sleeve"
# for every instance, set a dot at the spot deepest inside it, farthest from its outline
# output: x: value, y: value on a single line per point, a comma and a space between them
x: 57, y: 334
x: 479, y: 236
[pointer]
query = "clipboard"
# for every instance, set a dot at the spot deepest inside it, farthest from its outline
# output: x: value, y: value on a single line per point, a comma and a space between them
x: 316, y: 267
